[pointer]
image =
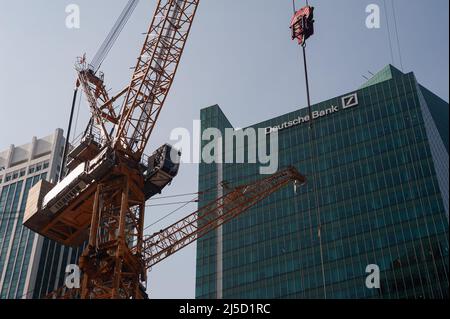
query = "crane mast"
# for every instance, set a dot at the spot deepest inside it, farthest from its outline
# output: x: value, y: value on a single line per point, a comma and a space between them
x: 113, y: 264
x: 102, y: 199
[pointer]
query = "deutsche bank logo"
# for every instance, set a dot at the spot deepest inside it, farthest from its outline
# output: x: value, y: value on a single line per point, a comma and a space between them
x: 350, y: 101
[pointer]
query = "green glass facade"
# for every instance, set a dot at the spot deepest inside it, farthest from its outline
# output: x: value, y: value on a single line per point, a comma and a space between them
x: 377, y: 193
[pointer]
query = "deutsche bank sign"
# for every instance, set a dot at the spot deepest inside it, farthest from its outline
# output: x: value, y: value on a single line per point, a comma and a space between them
x: 347, y: 102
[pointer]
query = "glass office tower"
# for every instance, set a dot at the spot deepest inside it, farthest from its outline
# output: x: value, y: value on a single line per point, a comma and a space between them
x: 30, y: 266
x: 377, y: 194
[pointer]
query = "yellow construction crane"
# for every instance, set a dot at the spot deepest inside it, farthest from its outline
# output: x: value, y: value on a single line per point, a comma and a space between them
x: 168, y: 241
x: 102, y: 198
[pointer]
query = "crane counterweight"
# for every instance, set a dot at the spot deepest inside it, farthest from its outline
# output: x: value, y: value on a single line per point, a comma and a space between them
x: 62, y: 212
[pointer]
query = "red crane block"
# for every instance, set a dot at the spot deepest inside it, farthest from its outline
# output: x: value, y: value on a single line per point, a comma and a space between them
x: 302, y: 24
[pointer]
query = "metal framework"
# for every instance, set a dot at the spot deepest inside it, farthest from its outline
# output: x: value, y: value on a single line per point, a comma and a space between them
x: 117, y: 257
x: 102, y: 111
x: 154, y: 74
x: 302, y: 24
x: 111, y: 205
x: 113, y: 263
x: 161, y: 245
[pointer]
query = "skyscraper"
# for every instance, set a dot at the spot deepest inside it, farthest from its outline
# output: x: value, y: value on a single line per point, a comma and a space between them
x: 377, y: 197
x: 30, y: 265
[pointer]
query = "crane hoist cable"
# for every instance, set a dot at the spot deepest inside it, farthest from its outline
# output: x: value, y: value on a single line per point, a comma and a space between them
x: 113, y: 35
x: 195, y: 200
x: 77, y: 118
x: 303, y: 27
x: 174, y: 196
x: 213, y: 188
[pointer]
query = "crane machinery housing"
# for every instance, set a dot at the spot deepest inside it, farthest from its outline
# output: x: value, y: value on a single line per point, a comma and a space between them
x: 102, y: 198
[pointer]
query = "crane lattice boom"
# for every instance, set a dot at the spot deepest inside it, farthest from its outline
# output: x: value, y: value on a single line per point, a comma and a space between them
x: 177, y: 236
x: 154, y: 74
x: 103, y: 197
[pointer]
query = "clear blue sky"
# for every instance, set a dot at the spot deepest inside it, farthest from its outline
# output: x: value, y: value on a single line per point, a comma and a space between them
x: 239, y: 56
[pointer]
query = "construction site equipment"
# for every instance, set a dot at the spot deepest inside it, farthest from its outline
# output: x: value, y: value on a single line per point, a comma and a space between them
x: 168, y: 241
x: 113, y: 35
x: 302, y: 24
x: 161, y: 245
x: 102, y: 199
x: 94, y: 66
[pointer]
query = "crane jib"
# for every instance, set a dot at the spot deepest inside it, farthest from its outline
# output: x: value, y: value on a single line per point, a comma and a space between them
x: 154, y: 74
x: 237, y: 201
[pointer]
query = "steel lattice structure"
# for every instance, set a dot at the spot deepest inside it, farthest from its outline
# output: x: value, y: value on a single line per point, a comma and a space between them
x: 103, y: 198
x: 154, y: 74
x: 113, y: 264
x: 177, y: 236
x: 161, y: 245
